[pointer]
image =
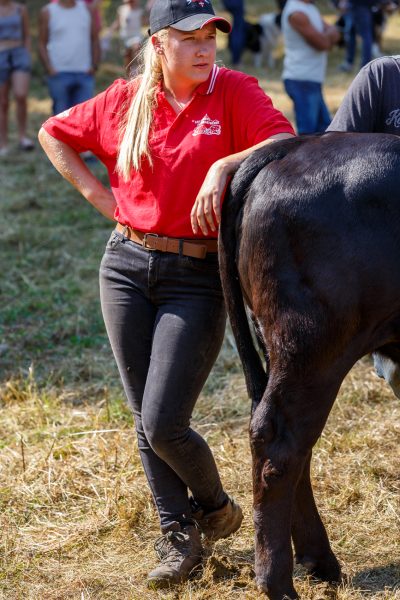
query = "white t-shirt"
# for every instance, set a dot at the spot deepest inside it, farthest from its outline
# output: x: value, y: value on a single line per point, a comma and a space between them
x: 69, y: 45
x: 131, y: 24
x: 302, y: 62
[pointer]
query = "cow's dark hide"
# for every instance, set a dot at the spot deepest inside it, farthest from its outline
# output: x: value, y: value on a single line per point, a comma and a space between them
x: 310, y: 237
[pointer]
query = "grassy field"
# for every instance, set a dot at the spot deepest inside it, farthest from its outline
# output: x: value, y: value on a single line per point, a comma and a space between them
x: 76, y: 518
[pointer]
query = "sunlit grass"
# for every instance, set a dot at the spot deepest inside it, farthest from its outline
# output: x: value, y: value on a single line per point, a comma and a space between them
x: 76, y: 517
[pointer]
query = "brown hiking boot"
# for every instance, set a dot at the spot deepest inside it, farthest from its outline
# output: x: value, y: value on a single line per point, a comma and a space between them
x: 218, y: 523
x: 179, y: 551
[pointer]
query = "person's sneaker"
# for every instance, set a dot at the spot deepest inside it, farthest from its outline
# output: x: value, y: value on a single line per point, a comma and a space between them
x: 180, y: 551
x: 218, y: 523
x: 26, y: 144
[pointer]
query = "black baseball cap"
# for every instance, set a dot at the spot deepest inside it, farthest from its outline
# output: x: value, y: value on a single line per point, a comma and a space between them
x: 185, y: 15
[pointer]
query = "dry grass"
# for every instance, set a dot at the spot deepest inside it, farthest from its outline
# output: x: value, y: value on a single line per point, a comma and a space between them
x: 77, y: 520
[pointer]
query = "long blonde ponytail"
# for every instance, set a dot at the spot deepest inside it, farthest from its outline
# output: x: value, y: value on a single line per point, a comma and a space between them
x: 134, y: 145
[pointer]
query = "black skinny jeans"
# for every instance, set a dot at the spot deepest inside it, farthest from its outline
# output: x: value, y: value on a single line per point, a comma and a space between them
x: 165, y: 319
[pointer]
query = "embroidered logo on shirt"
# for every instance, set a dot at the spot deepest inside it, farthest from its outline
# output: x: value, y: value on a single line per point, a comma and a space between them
x: 194, y: 2
x: 394, y: 118
x: 207, y: 126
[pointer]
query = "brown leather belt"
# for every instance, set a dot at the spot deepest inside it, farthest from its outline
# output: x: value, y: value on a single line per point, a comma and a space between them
x: 152, y: 241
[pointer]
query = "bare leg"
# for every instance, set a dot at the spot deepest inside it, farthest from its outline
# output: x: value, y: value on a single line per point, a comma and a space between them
x: 4, y: 104
x: 20, y: 87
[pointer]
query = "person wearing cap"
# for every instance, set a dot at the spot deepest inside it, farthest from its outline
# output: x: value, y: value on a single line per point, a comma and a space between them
x: 170, y: 139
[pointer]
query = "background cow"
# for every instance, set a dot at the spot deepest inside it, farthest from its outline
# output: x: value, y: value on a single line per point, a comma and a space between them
x: 310, y: 236
x: 262, y: 39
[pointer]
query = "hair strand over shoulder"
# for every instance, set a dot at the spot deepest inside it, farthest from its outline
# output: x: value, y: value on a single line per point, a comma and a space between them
x: 136, y: 125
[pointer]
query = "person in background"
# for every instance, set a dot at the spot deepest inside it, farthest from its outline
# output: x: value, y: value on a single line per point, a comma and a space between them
x: 129, y: 25
x: 170, y: 138
x: 95, y: 5
x: 15, y: 67
x: 238, y: 35
x: 307, y: 39
x: 372, y: 105
x: 357, y: 18
x: 360, y: 12
x: 346, y: 26
x: 372, y: 102
x: 96, y: 9
x: 70, y: 51
x: 149, y: 5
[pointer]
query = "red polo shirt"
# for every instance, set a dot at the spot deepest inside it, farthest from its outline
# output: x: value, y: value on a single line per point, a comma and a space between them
x: 227, y: 114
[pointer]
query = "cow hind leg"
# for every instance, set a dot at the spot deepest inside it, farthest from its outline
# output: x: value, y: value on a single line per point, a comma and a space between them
x: 283, y: 430
x: 311, y: 543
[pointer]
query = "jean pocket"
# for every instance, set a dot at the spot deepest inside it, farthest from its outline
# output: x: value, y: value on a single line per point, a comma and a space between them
x: 209, y: 264
x: 114, y: 241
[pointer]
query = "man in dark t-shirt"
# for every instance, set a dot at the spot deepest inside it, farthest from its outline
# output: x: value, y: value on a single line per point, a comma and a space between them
x: 372, y: 103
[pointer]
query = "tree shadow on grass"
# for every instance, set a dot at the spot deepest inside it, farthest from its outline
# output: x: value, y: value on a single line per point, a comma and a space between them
x: 239, y: 566
x: 377, y: 579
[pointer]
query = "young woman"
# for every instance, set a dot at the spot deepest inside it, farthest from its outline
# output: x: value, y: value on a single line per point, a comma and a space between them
x: 15, y: 66
x: 170, y: 139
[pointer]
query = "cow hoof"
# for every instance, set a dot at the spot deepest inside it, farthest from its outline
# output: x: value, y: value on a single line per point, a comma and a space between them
x: 263, y: 587
x: 327, y: 569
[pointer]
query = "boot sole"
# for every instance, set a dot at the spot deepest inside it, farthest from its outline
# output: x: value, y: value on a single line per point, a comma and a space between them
x: 159, y: 583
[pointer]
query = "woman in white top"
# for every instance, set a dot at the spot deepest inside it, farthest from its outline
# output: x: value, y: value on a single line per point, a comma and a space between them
x: 129, y: 24
x: 15, y: 66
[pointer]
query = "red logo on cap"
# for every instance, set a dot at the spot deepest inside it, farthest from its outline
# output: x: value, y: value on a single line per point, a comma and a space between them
x: 202, y: 3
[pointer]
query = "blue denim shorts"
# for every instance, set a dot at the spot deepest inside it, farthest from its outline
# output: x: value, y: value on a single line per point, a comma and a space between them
x: 14, y: 59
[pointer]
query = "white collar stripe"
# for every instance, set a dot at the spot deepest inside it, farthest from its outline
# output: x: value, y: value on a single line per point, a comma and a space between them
x: 214, y: 76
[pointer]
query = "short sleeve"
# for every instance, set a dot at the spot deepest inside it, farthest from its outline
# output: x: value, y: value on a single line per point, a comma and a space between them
x: 255, y: 118
x: 91, y: 124
x: 361, y: 104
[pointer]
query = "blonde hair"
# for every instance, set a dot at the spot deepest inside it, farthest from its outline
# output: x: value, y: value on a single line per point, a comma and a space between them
x: 136, y: 125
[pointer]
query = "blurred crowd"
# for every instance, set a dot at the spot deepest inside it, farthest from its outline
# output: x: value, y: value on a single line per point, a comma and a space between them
x: 73, y: 38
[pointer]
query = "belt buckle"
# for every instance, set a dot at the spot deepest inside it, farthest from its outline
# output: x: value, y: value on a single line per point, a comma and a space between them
x: 144, y: 241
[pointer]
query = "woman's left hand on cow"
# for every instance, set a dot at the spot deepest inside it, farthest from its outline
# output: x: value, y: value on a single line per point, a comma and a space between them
x: 206, y: 211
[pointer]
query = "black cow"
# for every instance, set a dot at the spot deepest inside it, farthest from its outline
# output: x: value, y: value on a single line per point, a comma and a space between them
x: 310, y: 237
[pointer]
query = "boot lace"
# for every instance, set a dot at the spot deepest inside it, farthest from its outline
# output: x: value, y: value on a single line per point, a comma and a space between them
x: 171, y: 546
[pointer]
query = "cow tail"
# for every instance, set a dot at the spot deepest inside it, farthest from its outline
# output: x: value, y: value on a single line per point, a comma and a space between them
x: 255, y: 375
x: 232, y: 213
